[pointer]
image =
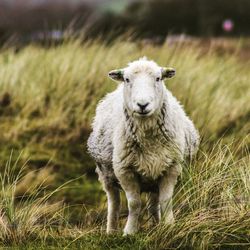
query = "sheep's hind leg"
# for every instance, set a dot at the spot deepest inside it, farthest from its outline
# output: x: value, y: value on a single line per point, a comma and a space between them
x: 113, y: 195
x: 154, y: 208
x: 106, y: 177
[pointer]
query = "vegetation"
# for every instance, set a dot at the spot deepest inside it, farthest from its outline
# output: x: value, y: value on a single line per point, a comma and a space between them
x: 49, y: 192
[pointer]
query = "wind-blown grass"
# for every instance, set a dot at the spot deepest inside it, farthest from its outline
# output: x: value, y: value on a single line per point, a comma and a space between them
x: 29, y: 216
x: 47, y: 100
x: 211, y: 204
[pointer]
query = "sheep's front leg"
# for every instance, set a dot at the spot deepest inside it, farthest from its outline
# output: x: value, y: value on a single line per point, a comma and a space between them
x: 131, y: 188
x: 166, y: 189
x: 134, y: 207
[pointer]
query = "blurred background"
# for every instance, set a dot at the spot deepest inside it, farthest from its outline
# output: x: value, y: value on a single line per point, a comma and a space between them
x: 43, y: 20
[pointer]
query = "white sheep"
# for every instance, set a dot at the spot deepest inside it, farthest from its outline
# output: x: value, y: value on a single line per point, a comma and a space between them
x: 141, y: 136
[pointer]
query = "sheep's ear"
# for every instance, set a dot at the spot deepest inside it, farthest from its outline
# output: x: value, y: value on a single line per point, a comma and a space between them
x: 116, y: 74
x: 167, y: 72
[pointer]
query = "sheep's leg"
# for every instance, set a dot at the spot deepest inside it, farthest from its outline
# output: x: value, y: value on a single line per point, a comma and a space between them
x: 113, y: 195
x: 106, y: 177
x: 166, y: 189
x: 131, y: 188
x: 154, y: 207
x: 134, y: 208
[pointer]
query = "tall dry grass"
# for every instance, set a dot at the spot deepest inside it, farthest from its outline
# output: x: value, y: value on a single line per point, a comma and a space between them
x: 29, y: 215
x: 47, y: 101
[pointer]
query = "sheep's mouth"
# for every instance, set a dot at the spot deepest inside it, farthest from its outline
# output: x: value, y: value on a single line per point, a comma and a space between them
x: 143, y: 113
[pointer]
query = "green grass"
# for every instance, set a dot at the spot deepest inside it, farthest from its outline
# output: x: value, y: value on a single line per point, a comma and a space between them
x: 47, y: 101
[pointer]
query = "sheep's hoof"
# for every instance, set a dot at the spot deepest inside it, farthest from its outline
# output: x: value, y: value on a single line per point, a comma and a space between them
x: 169, y: 220
x: 111, y: 231
x: 129, y: 231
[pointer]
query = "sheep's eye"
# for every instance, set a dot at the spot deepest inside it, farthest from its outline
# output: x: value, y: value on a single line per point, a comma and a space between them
x: 157, y: 79
x: 126, y: 80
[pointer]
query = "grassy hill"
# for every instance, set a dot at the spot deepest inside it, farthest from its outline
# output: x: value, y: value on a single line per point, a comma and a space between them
x: 49, y: 190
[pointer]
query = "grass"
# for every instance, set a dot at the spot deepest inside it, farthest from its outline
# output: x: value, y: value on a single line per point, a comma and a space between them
x: 47, y: 101
x: 28, y: 216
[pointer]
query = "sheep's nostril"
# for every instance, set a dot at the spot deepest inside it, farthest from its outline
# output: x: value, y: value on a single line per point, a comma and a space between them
x: 142, y: 106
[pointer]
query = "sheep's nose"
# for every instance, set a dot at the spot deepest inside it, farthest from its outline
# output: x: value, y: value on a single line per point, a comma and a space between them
x: 142, y: 106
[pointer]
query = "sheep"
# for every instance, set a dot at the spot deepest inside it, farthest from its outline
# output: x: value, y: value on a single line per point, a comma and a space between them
x: 141, y: 135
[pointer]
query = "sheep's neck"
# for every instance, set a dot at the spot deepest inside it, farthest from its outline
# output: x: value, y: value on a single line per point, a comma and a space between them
x: 152, y: 127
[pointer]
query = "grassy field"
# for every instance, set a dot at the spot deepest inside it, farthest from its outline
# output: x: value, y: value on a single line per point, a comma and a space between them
x: 49, y: 192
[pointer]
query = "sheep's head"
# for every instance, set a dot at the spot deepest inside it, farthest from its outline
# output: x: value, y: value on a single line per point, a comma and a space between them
x: 143, y: 86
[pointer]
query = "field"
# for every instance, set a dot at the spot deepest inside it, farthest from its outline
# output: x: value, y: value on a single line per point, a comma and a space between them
x: 50, y: 196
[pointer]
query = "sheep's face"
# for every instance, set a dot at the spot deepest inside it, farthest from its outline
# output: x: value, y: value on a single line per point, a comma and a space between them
x: 143, y: 86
